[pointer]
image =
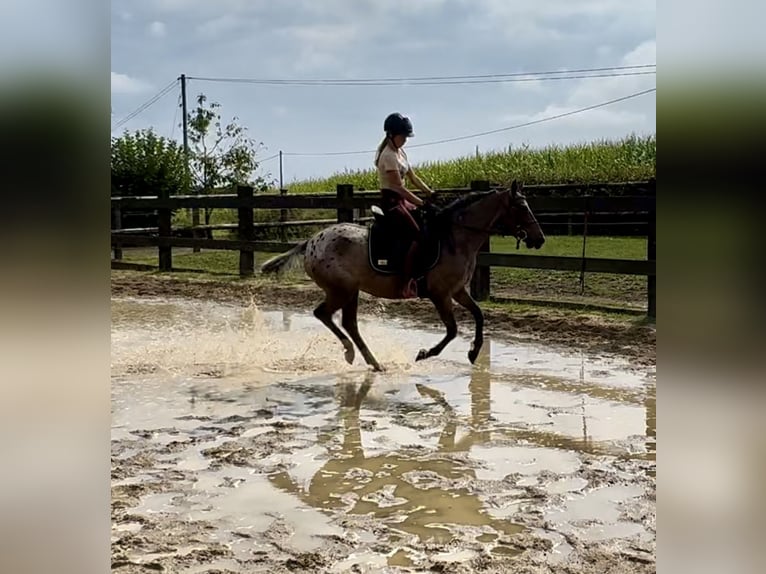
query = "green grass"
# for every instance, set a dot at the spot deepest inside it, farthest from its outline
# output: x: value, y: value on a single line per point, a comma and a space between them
x: 632, y: 158
x: 563, y: 245
x: 600, y: 288
x: 211, y: 262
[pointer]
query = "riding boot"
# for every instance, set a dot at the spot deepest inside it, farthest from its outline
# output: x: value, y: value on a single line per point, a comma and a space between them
x: 410, y: 289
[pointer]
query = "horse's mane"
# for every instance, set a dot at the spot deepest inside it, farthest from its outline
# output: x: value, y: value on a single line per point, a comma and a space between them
x: 462, y: 202
x: 442, y: 222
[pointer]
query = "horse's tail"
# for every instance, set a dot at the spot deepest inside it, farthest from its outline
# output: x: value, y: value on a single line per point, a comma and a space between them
x: 278, y: 263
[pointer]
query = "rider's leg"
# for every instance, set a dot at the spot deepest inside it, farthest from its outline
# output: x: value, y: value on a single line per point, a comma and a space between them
x: 410, y: 285
x: 410, y: 288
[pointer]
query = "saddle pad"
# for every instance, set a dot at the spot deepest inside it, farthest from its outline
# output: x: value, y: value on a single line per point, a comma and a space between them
x: 387, y: 251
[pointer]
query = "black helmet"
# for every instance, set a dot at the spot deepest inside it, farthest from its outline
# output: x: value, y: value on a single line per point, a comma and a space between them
x: 398, y: 125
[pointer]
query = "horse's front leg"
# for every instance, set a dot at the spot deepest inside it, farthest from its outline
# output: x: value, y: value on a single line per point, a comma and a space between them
x: 447, y: 314
x: 465, y: 299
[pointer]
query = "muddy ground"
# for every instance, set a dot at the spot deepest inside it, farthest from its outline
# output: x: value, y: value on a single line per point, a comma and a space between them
x: 590, y: 332
x: 170, y: 542
x: 230, y: 456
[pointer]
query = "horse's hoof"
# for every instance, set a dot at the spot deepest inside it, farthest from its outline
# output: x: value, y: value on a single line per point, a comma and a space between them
x: 473, y: 352
x: 349, y: 355
x: 423, y: 354
x: 377, y: 368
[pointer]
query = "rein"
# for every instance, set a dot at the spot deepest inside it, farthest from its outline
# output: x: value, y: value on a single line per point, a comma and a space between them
x: 520, y: 233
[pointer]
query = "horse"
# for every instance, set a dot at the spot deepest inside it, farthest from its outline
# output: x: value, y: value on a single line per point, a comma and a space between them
x: 338, y: 260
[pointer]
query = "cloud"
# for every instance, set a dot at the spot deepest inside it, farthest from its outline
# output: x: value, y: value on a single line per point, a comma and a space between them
x: 595, y: 91
x: 322, y: 36
x: 563, y: 23
x: 157, y: 29
x: 530, y: 86
x: 369, y: 38
x: 320, y: 46
x: 124, y: 84
x: 592, y: 91
x: 593, y: 119
x: 220, y: 26
x: 644, y: 53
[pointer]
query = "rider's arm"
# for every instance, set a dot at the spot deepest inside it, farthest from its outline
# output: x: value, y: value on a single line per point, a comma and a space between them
x: 397, y: 185
x: 419, y: 183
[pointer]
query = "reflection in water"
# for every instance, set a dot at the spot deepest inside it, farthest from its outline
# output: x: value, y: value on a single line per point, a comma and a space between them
x: 539, y: 417
x: 651, y: 425
x: 414, y: 493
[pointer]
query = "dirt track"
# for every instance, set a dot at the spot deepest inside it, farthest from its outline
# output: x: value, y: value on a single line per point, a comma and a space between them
x: 589, y: 332
x: 208, y: 468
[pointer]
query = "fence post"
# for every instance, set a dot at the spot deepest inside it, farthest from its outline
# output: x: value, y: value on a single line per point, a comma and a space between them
x: 117, y: 225
x: 480, y: 279
x: 195, y: 232
x: 164, y: 230
x: 283, y: 218
x: 345, y: 194
x: 246, y: 230
x: 651, y: 253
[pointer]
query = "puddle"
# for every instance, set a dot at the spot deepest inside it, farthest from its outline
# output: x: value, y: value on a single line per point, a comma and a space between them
x: 244, y: 431
x: 596, y: 514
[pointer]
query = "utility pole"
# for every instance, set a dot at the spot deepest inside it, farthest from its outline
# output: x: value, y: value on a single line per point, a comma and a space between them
x: 281, y: 183
x: 185, y: 124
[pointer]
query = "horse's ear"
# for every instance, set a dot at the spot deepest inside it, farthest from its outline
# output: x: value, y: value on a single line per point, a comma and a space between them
x: 514, y: 187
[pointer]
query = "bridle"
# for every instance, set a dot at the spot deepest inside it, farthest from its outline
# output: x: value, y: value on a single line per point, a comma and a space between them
x: 519, y: 233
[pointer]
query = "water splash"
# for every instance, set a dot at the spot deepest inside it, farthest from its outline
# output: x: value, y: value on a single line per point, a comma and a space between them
x: 184, y: 338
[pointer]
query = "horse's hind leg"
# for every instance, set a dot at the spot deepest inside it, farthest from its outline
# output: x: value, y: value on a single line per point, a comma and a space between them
x: 351, y: 327
x: 324, y: 313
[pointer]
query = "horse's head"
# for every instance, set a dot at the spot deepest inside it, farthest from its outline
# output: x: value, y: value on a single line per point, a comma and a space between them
x: 518, y: 220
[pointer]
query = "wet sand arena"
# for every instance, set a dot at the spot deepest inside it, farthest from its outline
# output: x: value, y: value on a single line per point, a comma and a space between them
x: 243, y: 442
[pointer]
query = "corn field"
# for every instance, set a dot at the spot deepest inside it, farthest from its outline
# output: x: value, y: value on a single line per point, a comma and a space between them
x: 629, y: 159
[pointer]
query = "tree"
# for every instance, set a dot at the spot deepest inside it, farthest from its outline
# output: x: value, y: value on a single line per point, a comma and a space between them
x: 144, y: 163
x: 220, y: 156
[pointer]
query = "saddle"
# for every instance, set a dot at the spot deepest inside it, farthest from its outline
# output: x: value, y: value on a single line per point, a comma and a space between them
x: 387, y: 248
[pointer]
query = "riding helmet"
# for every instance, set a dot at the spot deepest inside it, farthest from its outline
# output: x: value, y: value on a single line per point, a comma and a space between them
x: 396, y: 124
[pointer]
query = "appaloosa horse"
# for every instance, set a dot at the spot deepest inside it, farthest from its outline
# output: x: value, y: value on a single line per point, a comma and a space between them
x: 337, y: 259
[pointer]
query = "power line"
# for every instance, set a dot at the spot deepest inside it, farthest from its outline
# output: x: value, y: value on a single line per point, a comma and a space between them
x: 479, y: 134
x: 175, y: 115
x: 275, y: 156
x: 546, y: 119
x: 151, y: 101
x: 576, y: 74
x: 434, y: 83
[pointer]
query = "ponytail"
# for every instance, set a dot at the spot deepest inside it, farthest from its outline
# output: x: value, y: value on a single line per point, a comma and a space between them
x: 381, y: 146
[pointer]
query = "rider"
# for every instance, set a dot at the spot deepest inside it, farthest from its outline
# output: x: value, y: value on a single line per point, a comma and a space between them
x: 398, y: 201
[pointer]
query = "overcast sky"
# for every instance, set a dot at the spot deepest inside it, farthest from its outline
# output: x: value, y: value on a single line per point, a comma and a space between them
x: 154, y: 41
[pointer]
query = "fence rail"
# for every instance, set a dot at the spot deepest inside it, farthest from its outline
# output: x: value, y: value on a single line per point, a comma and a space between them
x: 635, y: 207
x: 363, y: 200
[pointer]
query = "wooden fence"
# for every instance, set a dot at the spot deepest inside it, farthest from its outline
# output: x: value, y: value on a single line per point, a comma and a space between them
x: 634, y: 199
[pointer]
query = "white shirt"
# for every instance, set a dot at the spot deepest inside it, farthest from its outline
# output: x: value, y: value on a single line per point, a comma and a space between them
x: 392, y: 160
